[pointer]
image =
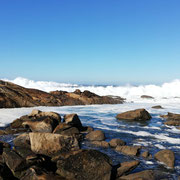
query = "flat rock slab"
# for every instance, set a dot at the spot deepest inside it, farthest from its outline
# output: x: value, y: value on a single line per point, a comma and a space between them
x: 49, y: 144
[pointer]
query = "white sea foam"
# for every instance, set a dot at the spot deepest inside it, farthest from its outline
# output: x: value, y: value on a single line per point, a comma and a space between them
x: 148, y: 162
x: 160, y: 146
x: 166, y: 90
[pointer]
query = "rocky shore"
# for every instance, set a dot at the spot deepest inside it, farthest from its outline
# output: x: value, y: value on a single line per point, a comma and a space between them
x: 47, y: 146
x: 12, y: 95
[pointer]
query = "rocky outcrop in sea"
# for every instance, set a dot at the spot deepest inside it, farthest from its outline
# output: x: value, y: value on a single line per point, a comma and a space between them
x: 12, y: 95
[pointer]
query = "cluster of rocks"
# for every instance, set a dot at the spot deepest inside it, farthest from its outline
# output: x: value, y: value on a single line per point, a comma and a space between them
x: 172, y: 119
x: 49, y: 147
x: 12, y: 95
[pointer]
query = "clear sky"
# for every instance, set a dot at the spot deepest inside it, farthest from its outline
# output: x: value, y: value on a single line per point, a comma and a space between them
x: 90, y: 41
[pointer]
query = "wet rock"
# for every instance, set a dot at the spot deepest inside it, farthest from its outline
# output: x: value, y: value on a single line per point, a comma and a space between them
x: 116, y: 142
x: 61, y: 127
x: 49, y: 144
x: 73, y: 120
x: 128, y: 150
x: 147, y: 97
x: 42, y: 124
x: 146, y: 154
x: 126, y: 167
x: 3, y: 132
x: 157, y: 107
x: 166, y: 156
x: 137, y: 115
x: 73, y: 131
x: 36, y: 173
x: 77, y: 91
x: 88, y: 164
x: 103, y: 144
x: 22, y: 140
x: 3, y: 145
x: 12, y: 95
x: 14, y: 161
x: 143, y: 175
x: 37, y: 114
x: 171, y: 116
x: 30, y: 157
x: 87, y: 129
x: 64, y: 155
x: 5, y: 173
x: 97, y: 135
x: 172, y: 119
x: 66, y: 129
x: 172, y: 123
x: 17, y: 123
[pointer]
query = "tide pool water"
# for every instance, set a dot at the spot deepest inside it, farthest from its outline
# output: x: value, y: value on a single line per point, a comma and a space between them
x: 153, y: 135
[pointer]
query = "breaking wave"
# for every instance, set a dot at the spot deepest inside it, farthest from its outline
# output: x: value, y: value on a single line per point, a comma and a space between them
x: 166, y: 90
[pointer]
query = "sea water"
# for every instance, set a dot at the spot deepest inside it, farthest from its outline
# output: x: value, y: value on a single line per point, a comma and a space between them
x: 153, y: 135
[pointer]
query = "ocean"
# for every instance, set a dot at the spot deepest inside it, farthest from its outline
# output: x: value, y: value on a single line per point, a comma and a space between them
x: 153, y: 135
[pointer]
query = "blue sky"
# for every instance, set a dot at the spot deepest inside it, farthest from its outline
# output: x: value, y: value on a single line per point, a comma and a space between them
x: 90, y: 41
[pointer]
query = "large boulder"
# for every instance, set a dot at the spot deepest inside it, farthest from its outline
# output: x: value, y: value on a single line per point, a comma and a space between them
x: 36, y: 121
x: 36, y: 173
x: 166, y: 156
x: 42, y: 124
x: 30, y: 157
x: 73, y: 120
x: 128, y: 150
x: 17, y: 123
x: 14, y: 162
x: 37, y: 113
x: 23, y: 140
x: 3, y: 145
x: 50, y: 144
x: 88, y: 164
x: 137, y: 115
x: 143, y: 175
x: 97, y: 135
x: 126, y: 167
x: 66, y: 129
